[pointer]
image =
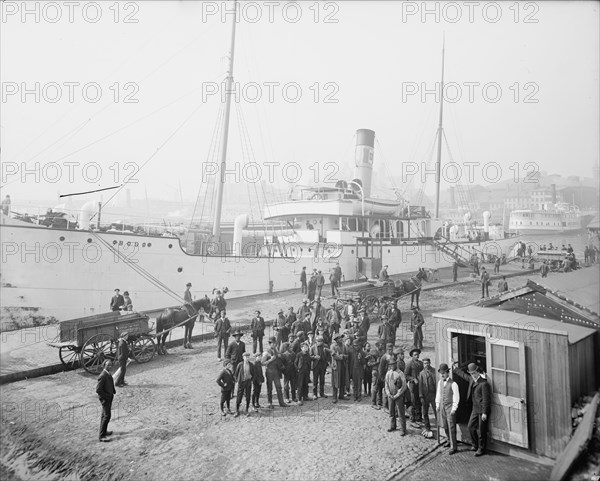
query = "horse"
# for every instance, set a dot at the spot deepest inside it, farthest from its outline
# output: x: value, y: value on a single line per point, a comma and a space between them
x: 171, y: 317
x: 412, y: 286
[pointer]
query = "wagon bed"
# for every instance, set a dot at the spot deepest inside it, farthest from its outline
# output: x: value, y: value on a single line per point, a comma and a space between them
x: 89, y: 341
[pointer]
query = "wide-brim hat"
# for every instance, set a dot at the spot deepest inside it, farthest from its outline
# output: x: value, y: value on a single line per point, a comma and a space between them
x: 238, y: 333
x: 415, y: 349
x: 443, y: 368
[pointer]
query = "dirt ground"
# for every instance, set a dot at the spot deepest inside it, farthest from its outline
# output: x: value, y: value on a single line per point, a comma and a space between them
x: 167, y: 424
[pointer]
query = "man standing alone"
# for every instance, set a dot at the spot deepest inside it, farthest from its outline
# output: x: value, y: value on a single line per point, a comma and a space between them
x: 480, y: 393
x: 303, y: 281
x: 105, y: 388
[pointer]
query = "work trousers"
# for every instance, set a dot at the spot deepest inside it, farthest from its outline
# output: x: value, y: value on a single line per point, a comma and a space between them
x: 478, y: 430
x: 290, y: 383
x: 257, y: 341
x: 448, y: 420
x: 274, y: 379
x: 303, y: 384
x: 244, y: 389
x: 425, y: 405
x: 225, y: 398
x: 319, y: 379
x: 223, y: 339
x: 397, y: 410
x: 256, y: 393
x: 105, y: 418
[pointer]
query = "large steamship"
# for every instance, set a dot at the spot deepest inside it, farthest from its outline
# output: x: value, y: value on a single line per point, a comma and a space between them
x: 67, y: 271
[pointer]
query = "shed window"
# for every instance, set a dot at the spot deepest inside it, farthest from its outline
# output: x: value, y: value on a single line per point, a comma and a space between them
x: 505, y: 370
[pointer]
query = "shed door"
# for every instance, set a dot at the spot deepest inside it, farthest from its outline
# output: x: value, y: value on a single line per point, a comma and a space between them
x: 506, y: 373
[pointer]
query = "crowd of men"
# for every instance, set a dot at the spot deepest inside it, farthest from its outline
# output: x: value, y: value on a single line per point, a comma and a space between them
x: 318, y: 346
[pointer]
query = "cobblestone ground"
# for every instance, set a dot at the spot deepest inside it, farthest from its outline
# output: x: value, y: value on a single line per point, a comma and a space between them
x: 167, y: 426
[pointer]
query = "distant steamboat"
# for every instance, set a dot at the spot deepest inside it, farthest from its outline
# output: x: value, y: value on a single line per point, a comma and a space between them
x: 561, y: 218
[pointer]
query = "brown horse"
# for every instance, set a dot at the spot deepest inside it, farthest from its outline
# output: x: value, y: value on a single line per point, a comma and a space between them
x: 412, y: 286
x: 171, y: 317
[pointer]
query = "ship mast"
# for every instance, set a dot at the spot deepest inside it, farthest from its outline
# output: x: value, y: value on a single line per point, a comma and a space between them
x: 438, y: 164
x: 228, y: 87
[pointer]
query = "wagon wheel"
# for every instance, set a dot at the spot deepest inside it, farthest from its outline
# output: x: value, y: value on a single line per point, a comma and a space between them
x: 69, y: 356
x: 96, y: 350
x: 372, y: 305
x: 143, y: 348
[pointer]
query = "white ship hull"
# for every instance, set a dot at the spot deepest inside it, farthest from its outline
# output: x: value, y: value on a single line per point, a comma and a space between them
x: 544, y: 222
x: 72, y: 273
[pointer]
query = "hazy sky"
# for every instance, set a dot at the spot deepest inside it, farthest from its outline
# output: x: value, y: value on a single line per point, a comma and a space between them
x: 532, y: 68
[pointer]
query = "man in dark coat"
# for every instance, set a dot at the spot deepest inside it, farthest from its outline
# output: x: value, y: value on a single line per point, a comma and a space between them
x: 416, y: 326
x: 235, y: 351
x: 412, y: 370
x: 427, y: 391
x: 303, y: 280
x: 122, y: 357
x: 244, y: 374
x: 222, y: 330
x: 117, y: 301
x: 258, y: 331
x: 274, y: 368
x: 105, y: 388
x: 318, y: 354
x: 258, y: 379
x: 479, y: 392
x: 303, y: 363
x: 227, y: 383
x: 356, y: 365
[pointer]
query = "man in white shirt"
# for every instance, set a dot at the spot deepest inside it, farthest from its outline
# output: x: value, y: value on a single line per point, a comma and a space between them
x: 446, y: 403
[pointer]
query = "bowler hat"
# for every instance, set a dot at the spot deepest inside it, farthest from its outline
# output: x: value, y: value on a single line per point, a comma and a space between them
x: 417, y: 350
x: 189, y: 284
x: 472, y: 367
x: 443, y: 368
x: 246, y: 354
x: 238, y: 333
x: 273, y: 339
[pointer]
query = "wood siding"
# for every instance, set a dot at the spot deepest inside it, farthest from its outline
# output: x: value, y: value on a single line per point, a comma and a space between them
x: 582, y: 368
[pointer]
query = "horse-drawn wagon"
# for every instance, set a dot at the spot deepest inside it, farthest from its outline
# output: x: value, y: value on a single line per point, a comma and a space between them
x: 89, y: 341
x: 370, y: 294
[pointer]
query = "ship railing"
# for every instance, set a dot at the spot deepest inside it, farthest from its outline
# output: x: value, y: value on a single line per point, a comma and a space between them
x: 129, y: 223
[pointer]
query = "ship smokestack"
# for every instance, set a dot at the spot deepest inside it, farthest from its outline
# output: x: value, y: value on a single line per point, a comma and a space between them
x: 363, y: 159
x: 553, y: 190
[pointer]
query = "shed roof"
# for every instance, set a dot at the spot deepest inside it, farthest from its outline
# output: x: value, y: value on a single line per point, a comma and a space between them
x: 581, y: 286
x: 489, y: 315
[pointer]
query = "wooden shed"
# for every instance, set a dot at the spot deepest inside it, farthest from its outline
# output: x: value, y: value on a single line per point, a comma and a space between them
x: 537, y: 368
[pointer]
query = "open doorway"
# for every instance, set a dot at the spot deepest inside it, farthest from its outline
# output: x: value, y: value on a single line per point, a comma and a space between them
x: 466, y: 348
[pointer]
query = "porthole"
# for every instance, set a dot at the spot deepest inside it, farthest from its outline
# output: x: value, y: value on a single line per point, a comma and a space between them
x: 61, y: 238
x: 149, y: 244
x: 180, y: 269
x: 352, y: 251
x: 309, y: 249
x: 129, y: 244
x: 143, y: 244
x: 388, y: 251
x: 114, y: 242
x: 170, y: 246
x: 89, y: 240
